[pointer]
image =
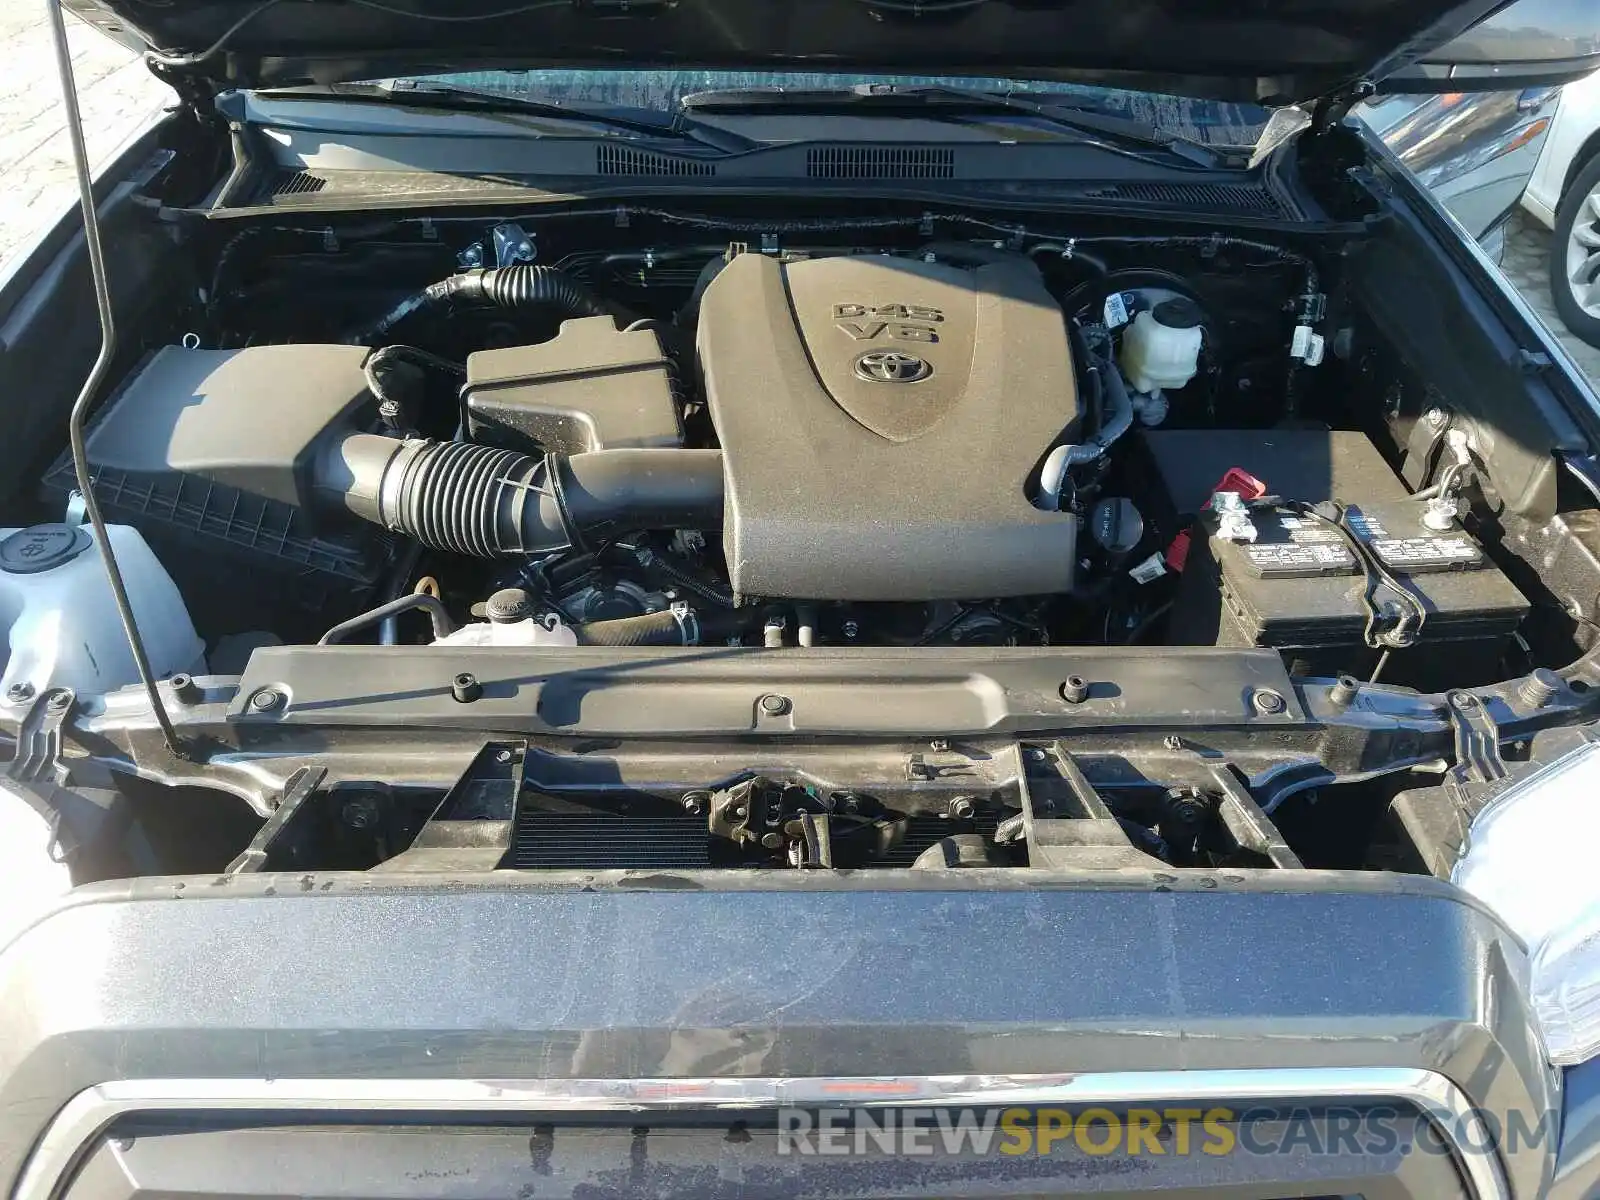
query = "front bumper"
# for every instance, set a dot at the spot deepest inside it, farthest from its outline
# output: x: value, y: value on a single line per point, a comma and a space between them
x: 375, y: 997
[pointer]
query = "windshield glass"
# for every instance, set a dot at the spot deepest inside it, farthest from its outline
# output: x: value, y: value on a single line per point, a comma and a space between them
x: 1212, y: 122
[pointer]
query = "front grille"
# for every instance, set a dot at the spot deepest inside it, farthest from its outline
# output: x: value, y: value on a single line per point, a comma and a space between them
x: 880, y: 162
x: 580, y: 841
x: 626, y: 160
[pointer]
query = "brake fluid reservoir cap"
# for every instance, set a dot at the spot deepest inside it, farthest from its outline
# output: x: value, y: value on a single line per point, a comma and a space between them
x: 42, y: 548
x: 1179, y: 313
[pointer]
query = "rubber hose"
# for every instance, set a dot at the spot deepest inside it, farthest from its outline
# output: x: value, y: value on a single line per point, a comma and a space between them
x: 443, y: 626
x: 485, y: 502
x: 1118, y: 419
x: 520, y: 286
x: 652, y: 629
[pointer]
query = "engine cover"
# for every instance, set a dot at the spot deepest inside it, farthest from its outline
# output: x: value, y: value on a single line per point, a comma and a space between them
x: 879, y: 421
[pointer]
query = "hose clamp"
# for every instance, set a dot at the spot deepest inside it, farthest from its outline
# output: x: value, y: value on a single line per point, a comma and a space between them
x: 392, y: 486
x: 688, y: 623
x: 554, y: 470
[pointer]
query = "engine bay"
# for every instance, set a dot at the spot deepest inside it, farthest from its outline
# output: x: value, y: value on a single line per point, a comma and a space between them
x: 983, y: 448
x: 966, y: 443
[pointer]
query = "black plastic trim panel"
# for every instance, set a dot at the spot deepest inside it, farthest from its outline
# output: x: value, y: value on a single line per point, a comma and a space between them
x: 595, y: 691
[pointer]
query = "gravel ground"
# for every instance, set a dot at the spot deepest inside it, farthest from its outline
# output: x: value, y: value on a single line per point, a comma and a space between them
x: 119, y: 95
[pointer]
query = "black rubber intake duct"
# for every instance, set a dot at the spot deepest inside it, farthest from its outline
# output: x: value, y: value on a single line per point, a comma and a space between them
x: 522, y: 287
x: 516, y: 287
x: 488, y: 503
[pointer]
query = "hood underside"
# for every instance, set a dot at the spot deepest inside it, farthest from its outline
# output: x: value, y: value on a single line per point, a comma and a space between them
x: 1264, y: 50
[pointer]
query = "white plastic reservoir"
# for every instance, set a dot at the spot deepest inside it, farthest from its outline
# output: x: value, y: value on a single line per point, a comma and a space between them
x: 61, y: 620
x: 1161, y: 349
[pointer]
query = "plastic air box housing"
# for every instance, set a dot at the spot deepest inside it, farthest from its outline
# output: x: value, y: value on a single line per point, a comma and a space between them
x: 208, y: 454
x: 591, y: 387
x: 1298, y: 588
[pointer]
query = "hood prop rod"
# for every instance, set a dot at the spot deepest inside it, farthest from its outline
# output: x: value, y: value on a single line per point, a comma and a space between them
x: 97, y: 373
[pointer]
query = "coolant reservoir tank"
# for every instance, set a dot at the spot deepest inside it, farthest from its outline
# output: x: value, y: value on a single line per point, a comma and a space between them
x: 1161, y: 349
x: 61, y: 619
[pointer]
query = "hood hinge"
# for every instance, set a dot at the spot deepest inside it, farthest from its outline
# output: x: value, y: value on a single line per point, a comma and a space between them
x: 1330, y: 111
x: 196, y: 97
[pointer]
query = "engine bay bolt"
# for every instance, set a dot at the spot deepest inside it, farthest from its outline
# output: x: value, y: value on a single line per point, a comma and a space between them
x: 1075, y: 690
x: 59, y: 699
x: 1541, y: 687
x: 1267, y: 702
x: 774, y: 705
x: 695, y: 803
x: 19, y: 693
x: 266, y: 699
x: 465, y: 687
x: 772, y: 840
x: 1464, y: 700
x: 185, y: 688
x: 1172, y: 742
x: 1436, y: 418
x: 962, y: 808
x: 851, y: 630
x: 939, y: 745
x: 1344, y: 691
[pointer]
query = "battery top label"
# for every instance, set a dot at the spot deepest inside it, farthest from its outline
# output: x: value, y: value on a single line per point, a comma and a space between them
x: 1443, y: 552
x: 1298, y: 559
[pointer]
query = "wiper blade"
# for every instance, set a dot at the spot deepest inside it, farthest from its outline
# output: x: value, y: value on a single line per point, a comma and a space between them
x: 934, y: 99
x: 673, y: 126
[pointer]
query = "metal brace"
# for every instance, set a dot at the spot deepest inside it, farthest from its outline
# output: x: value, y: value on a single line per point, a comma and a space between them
x: 302, y: 785
x: 1477, y: 741
x: 38, y: 758
x: 37, y: 773
x: 512, y: 244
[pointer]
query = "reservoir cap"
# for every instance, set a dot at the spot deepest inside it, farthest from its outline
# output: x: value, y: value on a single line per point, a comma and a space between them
x: 42, y: 548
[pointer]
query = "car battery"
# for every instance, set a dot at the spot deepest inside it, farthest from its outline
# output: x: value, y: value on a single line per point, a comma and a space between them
x: 1288, y: 580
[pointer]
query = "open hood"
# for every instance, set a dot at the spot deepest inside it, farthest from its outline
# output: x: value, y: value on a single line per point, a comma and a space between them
x: 1270, y: 51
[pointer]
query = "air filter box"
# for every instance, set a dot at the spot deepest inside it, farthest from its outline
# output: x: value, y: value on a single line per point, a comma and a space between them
x: 591, y: 387
x: 208, y: 454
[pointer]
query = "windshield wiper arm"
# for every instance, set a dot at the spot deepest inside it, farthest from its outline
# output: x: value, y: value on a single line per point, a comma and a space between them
x: 674, y: 126
x: 930, y: 99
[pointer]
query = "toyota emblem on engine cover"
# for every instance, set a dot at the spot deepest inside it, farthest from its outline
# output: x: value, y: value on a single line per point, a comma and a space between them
x: 892, y: 366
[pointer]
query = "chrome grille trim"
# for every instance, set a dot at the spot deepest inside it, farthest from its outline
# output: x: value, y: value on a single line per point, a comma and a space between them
x: 93, y: 1110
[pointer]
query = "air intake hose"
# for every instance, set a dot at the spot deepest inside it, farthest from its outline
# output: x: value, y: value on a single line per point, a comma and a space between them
x: 520, y: 286
x: 488, y: 503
